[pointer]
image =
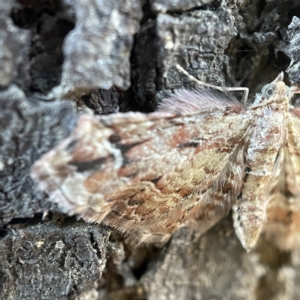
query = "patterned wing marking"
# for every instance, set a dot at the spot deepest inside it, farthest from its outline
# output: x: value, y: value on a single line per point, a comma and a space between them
x: 143, y: 174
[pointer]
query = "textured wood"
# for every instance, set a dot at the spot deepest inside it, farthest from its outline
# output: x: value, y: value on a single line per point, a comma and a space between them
x: 229, y: 43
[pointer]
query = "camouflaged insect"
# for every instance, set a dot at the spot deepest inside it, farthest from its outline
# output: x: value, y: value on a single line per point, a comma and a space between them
x: 200, y: 155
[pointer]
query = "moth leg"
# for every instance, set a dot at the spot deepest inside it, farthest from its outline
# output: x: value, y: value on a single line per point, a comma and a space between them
x: 221, y: 89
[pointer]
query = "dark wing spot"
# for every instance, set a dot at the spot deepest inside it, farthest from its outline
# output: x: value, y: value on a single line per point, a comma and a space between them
x: 72, y: 146
x: 188, y: 144
x: 155, y: 180
x: 89, y: 165
x: 277, y: 156
x: 247, y: 170
x: 124, y: 148
x: 132, y: 202
x: 114, y: 138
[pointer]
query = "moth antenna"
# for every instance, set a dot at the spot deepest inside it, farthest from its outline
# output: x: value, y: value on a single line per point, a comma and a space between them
x: 221, y: 89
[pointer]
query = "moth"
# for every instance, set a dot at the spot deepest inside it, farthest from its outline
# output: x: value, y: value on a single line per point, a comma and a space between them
x: 201, y: 154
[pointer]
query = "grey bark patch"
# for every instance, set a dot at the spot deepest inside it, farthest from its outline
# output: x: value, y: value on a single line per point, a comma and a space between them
x: 28, y: 129
x: 60, y: 262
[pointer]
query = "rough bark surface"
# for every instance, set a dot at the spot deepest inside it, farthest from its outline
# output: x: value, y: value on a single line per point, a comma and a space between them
x: 28, y: 128
x: 52, y: 260
x: 107, y: 56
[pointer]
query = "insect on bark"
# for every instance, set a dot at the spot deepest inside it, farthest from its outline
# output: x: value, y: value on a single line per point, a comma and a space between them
x: 201, y: 154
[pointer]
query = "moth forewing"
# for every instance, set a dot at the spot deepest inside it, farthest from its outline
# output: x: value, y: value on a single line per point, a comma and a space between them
x: 145, y: 175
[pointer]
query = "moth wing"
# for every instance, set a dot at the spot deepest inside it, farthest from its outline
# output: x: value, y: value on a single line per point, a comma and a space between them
x: 283, y: 211
x: 148, y: 174
x: 293, y: 172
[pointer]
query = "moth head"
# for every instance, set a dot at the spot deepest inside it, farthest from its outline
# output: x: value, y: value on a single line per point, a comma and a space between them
x: 276, y: 87
x: 284, y: 89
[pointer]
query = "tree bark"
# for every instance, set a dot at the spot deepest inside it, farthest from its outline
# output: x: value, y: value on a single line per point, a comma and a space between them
x: 61, y: 57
